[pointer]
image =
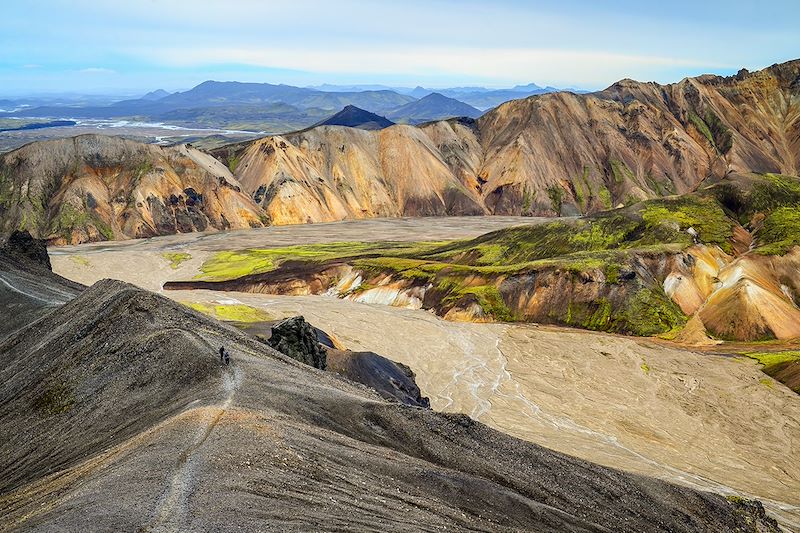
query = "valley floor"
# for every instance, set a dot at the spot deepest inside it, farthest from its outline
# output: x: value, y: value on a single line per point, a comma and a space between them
x: 709, y: 421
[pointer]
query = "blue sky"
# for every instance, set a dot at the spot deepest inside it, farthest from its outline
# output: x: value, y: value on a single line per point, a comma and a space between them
x: 51, y: 46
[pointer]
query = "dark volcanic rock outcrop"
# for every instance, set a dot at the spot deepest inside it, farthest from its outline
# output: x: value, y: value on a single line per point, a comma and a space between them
x: 22, y: 244
x: 117, y: 415
x: 306, y: 343
x: 297, y: 339
x: 28, y: 287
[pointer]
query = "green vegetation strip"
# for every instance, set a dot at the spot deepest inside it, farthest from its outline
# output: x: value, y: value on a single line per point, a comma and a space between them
x: 773, y: 364
x: 654, y: 225
x: 772, y: 359
x: 236, y: 264
x: 769, y: 206
x: 231, y: 312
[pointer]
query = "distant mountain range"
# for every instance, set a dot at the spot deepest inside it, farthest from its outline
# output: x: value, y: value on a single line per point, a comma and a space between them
x: 434, y: 106
x: 275, y: 108
x: 156, y: 95
x: 479, y: 97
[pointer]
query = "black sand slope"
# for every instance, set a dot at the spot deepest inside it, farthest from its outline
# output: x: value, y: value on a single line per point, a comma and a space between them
x: 117, y: 415
x: 28, y: 288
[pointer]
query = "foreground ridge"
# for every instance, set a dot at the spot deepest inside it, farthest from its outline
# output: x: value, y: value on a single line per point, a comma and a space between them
x: 164, y: 435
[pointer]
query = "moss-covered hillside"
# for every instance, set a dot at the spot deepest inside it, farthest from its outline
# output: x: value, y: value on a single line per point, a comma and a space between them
x: 768, y: 205
x: 606, y: 272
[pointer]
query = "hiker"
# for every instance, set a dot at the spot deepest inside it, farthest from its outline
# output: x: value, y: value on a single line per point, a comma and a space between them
x: 224, y: 356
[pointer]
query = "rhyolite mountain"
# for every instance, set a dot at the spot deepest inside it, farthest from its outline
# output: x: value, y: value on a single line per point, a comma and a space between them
x: 552, y: 154
x: 354, y: 117
x: 118, y: 416
x: 559, y: 153
x: 94, y: 187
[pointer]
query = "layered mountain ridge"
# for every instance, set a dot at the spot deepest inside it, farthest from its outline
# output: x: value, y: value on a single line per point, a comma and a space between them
x: 551, y: 154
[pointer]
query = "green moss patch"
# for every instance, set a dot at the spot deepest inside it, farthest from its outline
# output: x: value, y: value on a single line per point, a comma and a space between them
x: 774, y: 364
x: 590, y: 315
x: 605, y: 197
x: 780, y: 231
x: 714, y: 130
x: 233, y: 162
x: 768, y: 205
x: 646, y: 313
x: 231, y: 312
x: 650, y: 312
x: 653, y: 223
x: 668, y: 220
x: 488, y: 297
x: 556, y: 195
x: 71, y: 218
x: 176, y: 258
x: 620, y: 172
x: 81, y: 260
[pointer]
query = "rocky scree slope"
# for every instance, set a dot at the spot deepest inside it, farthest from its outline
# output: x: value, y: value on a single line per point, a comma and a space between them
x: 118, y: 415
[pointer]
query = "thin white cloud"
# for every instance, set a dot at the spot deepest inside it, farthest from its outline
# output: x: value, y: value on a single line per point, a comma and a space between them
x: 510, y: 65
x: 96, y: 70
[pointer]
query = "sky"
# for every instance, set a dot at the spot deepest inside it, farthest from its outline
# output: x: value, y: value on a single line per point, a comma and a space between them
x: 120, y: 46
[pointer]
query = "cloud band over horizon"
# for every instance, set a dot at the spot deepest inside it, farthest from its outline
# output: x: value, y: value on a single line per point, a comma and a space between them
x: 56, y: 45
